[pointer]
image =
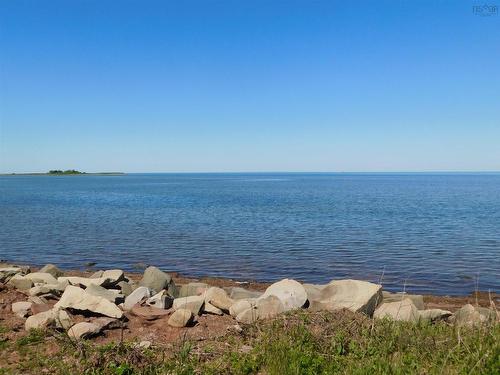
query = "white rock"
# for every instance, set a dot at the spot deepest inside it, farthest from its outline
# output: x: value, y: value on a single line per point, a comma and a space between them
x: 218, y: 298
x: 404, y: 310
x: 44, y: 319
x: 434, y: 314
x: 354, y: 295
x: 21, y: 309
x: 241, y: 305
x: 265, y: 308
x: 290, y: 292
x: 191, y: 303
x: 136, y: 296
x: 180, y: 318
x: 83, y: 330
x: 52, y: 269
x: 85, y: 281
x: 160, y: 300
x: 41, y: 277
x: 76, y: 298
x: 211, y: 309
x: 20, y: 282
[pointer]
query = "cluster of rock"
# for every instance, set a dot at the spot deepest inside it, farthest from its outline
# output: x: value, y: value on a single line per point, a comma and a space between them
x: 106, y: 297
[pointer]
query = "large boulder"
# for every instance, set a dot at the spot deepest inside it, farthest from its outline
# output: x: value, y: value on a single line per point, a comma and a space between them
x: 403, y: 310
x: 191, y: 303
x: 41, y: 277
x: 86, y: 281
x: 354, y: 295
x: 77, y: 299
x: 291, y: 293
x: 237, y: 292
x: 136, y: 297
x: 52, y: 269
x: 218, y: 298
x: 53, y: 317
x: 22, y: 309
x: 48, y: 289
x: 264, y: 308
x: 20, y: 282
x: 180, y: 318
x: 241, y: 305
x: 155, y: 279
x: 313, y: 291
x: 469, y: 315
x: 112, y: 295
x: 193, y: 289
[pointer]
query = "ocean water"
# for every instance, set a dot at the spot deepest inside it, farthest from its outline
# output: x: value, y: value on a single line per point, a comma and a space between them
x: 426, y: 233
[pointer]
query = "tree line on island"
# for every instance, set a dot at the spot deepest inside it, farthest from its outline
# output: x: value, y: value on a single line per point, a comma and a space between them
x: 68, y: 171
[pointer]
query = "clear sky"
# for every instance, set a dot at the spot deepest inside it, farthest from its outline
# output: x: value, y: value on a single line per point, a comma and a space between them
x: 159, y: 86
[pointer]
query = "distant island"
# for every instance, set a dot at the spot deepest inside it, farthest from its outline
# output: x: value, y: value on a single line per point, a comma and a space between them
x: 67, y: 172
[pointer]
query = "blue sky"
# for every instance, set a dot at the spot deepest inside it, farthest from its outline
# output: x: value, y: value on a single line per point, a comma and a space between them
x: 159, y: 86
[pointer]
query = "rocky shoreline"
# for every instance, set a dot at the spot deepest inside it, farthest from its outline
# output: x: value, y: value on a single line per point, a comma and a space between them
x: 95, y: 305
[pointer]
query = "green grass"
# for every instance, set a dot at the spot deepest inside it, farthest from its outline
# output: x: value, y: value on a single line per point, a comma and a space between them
x: 295, y: 343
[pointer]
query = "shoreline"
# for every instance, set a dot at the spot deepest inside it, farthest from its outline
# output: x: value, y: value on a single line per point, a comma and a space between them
x: 450, y: 302
x: 47, y: 312
x: 136, y: 272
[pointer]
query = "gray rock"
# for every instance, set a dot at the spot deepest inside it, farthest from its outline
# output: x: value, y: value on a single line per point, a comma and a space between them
x: 83, y: 330
x: 434, y: 314
x: 218, y: 298
x: 112, y: 295
x: 180, y: 318
x: 86, y: 281
x: 77, y: 299
x: 41, y: 277
x: 7, y: 272
x: 313, y: 291
x: 211, y: 309
x: 193, y: 289
x: 157, y: 280
x: 52, y: 269
x: 136, y: 297
x: 470, y: 316
x: 53, y: 317
x: 290, y: 292
x: 115, y: 275
x: 241, y: 305
x: 191, y: 303
x: 21, y: 309
x: 403, y: 310
x: 417, y: 299
x: 265, y: 308
x: 20, y: 282
x: 160, y: 300
x: 125, y: 287
x: 237, y: 292
x: 354, y: 295
x: 48, y: 289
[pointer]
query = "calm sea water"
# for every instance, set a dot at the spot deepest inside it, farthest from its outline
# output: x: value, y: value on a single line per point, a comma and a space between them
x: 436, y: 233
